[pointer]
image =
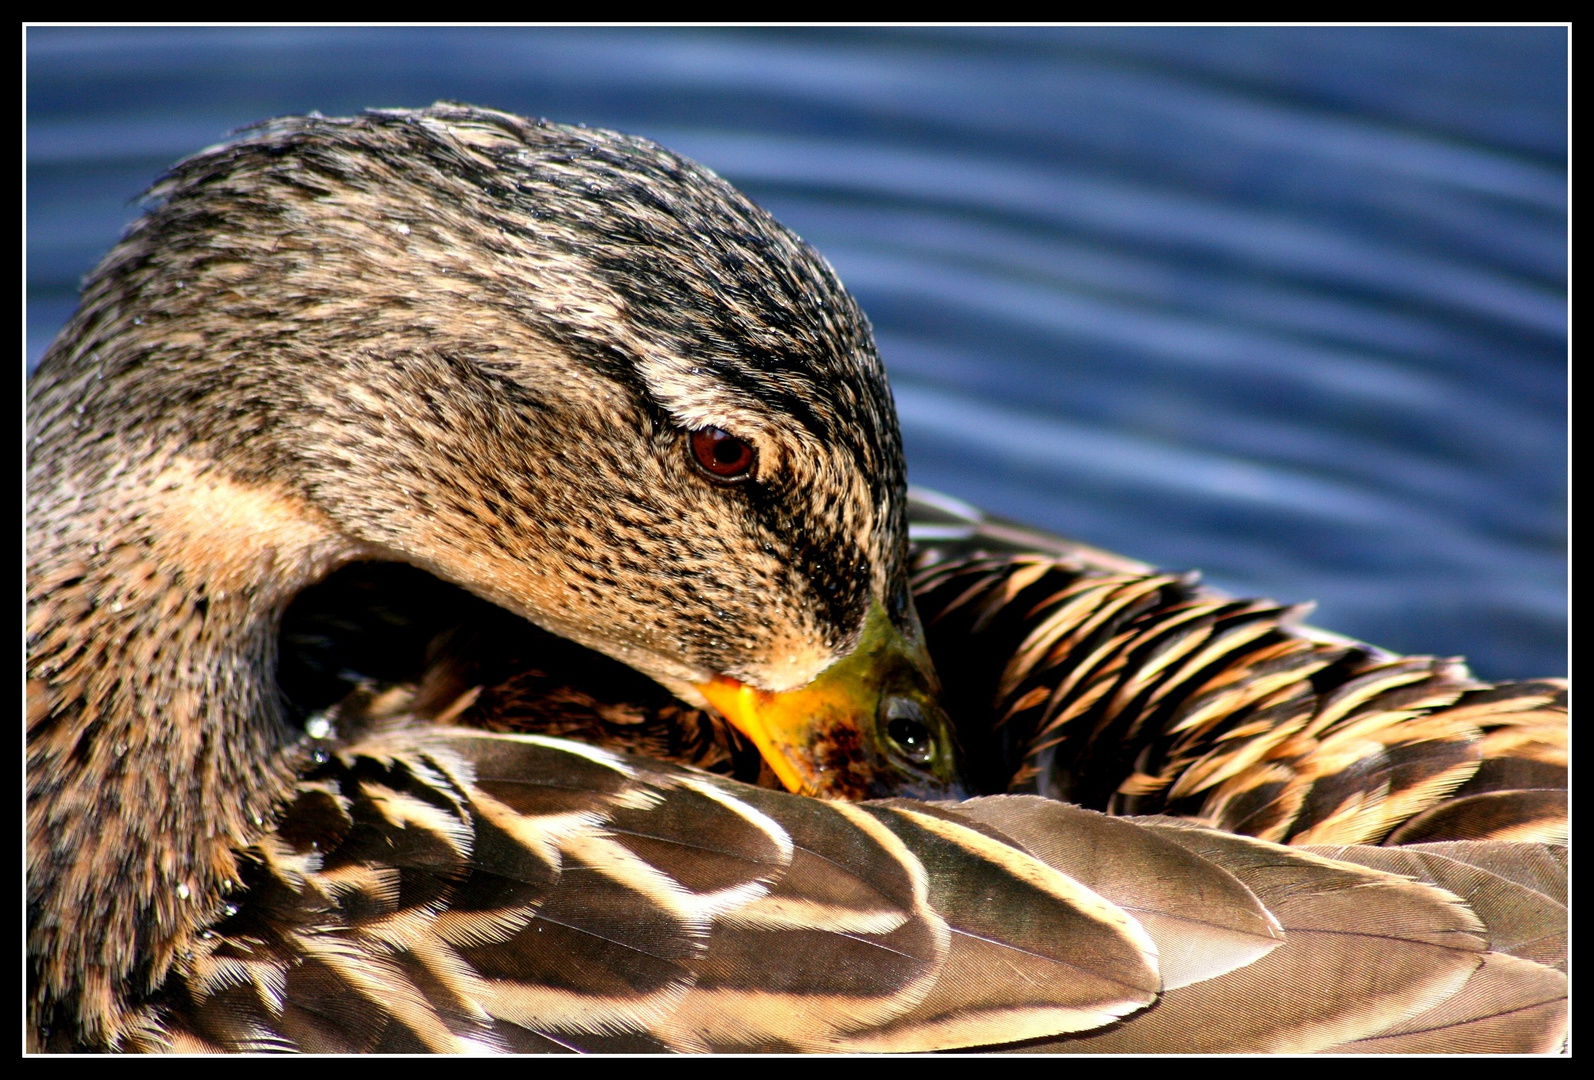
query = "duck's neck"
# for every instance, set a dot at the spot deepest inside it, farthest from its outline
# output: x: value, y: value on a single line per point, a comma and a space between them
x: 158, y: 746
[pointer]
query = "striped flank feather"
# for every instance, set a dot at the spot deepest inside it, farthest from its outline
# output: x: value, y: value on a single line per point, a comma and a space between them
x: 445, y: 890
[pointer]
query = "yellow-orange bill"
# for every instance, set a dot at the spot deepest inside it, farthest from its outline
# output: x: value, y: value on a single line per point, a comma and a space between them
x: 869, y: 726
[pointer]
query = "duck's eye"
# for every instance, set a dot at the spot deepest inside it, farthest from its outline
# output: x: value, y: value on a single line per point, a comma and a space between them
x: 722, y: 455
x: 906, y: 728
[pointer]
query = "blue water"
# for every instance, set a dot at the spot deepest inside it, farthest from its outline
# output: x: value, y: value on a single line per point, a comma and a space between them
x: 1287, y: 305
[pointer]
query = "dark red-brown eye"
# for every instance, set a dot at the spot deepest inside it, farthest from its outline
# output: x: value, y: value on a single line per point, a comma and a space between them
x: 722, y: 455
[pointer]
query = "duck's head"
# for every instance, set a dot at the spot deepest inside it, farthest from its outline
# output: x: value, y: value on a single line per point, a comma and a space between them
x: 565, y: 369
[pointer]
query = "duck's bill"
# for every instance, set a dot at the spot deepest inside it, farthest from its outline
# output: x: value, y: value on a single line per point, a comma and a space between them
x: 870, y: 726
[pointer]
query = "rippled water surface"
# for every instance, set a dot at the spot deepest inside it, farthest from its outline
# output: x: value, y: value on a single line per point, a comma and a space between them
x: 1285, y: 305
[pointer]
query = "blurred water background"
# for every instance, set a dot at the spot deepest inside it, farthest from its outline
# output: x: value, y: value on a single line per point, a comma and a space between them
x: 1286, y: 305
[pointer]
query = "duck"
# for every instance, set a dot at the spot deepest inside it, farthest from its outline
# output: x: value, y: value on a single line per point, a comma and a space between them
x: 472, y: 605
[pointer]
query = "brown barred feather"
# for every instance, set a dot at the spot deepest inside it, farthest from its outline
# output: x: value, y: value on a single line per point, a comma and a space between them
x: 1523, y: 920
x: 1365, y: 957
x: 440, y: 890
x: 1491, y: 977
x: 1137, y: 692
x: 443, y: 890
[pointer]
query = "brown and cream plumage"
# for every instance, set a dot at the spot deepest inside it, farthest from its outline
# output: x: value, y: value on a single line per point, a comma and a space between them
x: 359, y: 401
x: 1087, y: 677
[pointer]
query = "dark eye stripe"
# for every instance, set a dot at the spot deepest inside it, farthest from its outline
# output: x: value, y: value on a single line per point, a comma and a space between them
x: 721, y: 455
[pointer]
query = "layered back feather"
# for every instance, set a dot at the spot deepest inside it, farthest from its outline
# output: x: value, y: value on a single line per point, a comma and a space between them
x: 437, y: 888
x: 448, y: 890
x: 1089, y: 678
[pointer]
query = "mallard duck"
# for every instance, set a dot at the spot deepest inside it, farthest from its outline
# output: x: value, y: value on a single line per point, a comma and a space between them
x: 580, y: 393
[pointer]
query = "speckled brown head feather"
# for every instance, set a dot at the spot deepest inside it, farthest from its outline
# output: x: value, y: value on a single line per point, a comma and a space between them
x: 461, y: 340
x: 454, y: 327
